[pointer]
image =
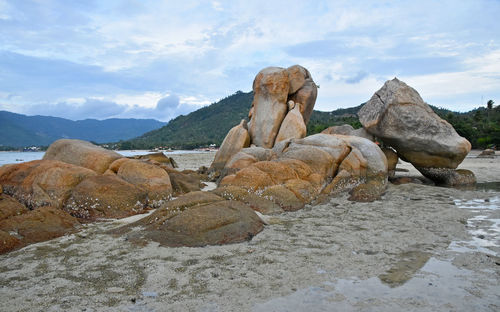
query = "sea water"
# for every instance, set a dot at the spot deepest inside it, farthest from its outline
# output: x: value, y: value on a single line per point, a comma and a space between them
x: 18, y: 157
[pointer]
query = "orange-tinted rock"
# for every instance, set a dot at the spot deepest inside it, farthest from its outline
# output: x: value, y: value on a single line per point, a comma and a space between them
x: 152, y: 179
x: 282, y: 196
x: 297, y: 76
x: 277, y: 171
x: 8, y: 242
x: 305, y: 191
x: 105, y: 196
x: 253, y: 200
x: 392, y: 160
x: 198, y: 224
x: 368, y: 192
x: 250, y: 178
x: 183, y: 182
x: 40, y: 225
x: 271, y: 86
x: 10, y: 207
x: 42, y: 182
x: 158, y: 157
x: 236, y: 139
x: 81, y: 153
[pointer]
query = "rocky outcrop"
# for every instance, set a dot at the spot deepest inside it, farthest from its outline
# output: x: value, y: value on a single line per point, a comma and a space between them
x: 197, y: 219
x: 300, y: 170
x: 398, y: 116
x: 487, y: 153
x: 236, y: 139
x: 81, y: 153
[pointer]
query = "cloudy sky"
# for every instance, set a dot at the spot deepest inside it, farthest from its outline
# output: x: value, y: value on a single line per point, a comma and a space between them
x: 158, y: 59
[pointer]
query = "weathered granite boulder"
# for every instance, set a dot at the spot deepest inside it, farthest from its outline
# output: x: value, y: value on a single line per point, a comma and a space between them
x: 197, y: 219
x: 81, y: 153
x: 293, y: 126
x: 42, y: 182
x: 306, y: 96
x: 398, y: 116
x: 154, y: 180
x: 271, y: 86
x: 105, y: 196
x: 10, y: 207
x: 449, y: 177
x: 39, y: 225
x: 236, y: 139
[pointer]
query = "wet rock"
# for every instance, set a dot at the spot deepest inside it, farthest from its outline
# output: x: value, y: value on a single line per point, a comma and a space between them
x: 105, y: 196
x: 40, y: 225
x: 42, y: 182
x: 236, y: 139
x: 487, y: 153
x: 254, y: 201
x: 198, y: 220
x: 449, y: 177
x: 10, y: 207
x: 401, y: 119
x: 8, y: 242
x: 81, y: 153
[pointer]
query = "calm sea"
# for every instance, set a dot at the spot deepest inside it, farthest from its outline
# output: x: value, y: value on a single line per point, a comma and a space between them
x: 17, y: 157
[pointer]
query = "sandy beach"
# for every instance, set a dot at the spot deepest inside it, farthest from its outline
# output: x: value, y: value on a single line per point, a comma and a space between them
x: 420, y: 248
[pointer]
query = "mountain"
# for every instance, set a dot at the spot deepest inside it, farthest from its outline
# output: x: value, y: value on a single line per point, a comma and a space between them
x: 210, y: 124
x: 21, y: 130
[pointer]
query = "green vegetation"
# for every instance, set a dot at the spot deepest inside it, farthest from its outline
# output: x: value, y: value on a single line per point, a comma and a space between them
x: 209, y: 125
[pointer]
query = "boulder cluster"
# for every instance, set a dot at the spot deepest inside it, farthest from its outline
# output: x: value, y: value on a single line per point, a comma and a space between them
x: 265, y: 165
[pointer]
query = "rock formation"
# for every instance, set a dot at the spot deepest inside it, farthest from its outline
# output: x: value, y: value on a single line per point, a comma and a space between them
x: 283, y: 102
x: 397, y: 115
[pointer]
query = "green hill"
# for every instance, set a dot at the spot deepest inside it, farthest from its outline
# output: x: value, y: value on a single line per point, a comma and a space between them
x: 210, y: 124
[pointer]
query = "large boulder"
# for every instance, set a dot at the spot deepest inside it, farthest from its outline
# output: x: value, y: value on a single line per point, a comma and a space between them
x: 398, y: 116
x: 154, y: 180
x: 81, y: 153
x: 39, y: 225
x: 270, y: 87
x: 197, y: 219
x: 236, y: 139
x: 42, y: 182
x: 105, y: 196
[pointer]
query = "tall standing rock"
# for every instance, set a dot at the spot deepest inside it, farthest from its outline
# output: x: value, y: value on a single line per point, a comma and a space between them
x: 270, y: 87
x: 398, y: 116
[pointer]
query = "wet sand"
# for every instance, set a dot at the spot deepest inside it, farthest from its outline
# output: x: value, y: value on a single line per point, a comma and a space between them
x: 421, y: 248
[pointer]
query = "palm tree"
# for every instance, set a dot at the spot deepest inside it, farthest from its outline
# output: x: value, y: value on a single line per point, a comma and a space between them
x: 489, y: 104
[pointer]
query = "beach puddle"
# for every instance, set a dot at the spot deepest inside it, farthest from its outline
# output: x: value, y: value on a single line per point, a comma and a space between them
x: 484, y: 227
x: 405, y: 269
x: 438, y: 285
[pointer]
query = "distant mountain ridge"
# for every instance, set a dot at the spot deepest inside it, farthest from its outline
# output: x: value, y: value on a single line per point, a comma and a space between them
x: 20, y: 130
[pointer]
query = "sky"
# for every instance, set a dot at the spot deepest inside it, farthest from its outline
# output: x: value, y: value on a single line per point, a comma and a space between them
x: 159, y: 59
